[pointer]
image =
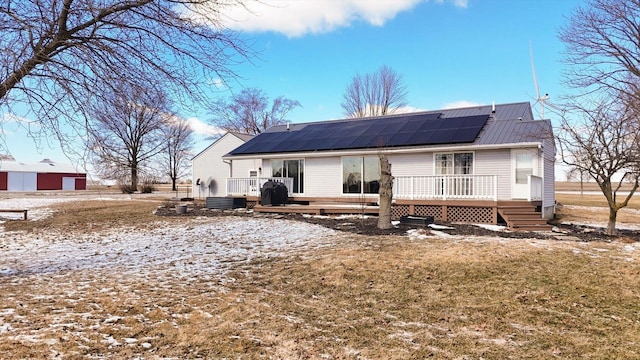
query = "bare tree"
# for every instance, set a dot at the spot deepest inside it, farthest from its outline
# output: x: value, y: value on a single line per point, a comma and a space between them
x: 386, y: 194
x: 127, y: 131
x: 602, y: 48
x: 57, y: 54
x: 374, y: 94
x: 178, y: 143
x: 377, y: 94
x: 249, y: 112
x: 605, y: 144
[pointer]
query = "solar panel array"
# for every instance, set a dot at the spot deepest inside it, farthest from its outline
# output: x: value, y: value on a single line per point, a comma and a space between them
x: 394, y: 131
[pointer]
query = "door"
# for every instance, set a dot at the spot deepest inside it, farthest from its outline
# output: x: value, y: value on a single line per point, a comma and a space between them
x: 68, y: 183
x: 524, y: 164
x: 22, y: 181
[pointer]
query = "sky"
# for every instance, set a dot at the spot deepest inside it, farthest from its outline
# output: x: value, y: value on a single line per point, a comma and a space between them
x: 449, y: 53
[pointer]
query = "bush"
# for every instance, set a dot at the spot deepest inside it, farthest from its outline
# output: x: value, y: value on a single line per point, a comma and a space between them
x: 147, y: 188
x: 127, y: 189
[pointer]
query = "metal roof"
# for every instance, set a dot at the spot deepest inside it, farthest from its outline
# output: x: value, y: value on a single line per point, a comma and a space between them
x: 47, y: 166
x: 482, y: 125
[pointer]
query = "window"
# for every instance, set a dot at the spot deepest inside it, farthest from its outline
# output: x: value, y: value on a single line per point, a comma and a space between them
x: 524, y: 167
x: 353, y: 181
x: 290, y: 168
x: 454, y: 164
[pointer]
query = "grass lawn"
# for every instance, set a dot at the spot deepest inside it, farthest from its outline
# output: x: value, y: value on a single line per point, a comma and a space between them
x: 364, y: 298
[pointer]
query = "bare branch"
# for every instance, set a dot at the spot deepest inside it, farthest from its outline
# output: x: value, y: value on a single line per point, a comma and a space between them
x: 374, y: 94
x: 55, y: 55
x: 248, y: 112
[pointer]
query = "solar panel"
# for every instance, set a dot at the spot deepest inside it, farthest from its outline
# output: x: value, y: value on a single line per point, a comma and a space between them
x: 391, y: 131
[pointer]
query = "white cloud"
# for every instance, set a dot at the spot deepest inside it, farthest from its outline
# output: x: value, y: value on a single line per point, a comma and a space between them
x: 460, y: 104
x: 217, y: 83
x: 295, y: 18
x: 201, y: 128
x: 408, y: 109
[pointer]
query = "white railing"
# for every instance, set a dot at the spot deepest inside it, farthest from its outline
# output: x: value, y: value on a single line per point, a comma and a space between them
x: 442, y: 187
x: 535, y: 188
x: 251, y: 186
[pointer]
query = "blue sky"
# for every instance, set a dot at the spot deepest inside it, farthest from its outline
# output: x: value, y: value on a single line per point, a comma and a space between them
x: 449, y: 52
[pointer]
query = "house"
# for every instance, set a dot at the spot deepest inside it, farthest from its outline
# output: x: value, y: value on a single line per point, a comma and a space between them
x: 482, y: 164
x: 210, y: 171
x: 45, y: 175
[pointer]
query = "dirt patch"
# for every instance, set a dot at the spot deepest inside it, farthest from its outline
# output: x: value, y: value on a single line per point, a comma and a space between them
x: 368, y: 225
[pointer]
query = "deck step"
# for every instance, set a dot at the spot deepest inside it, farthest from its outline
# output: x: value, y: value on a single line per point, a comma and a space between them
x: 523, y: 218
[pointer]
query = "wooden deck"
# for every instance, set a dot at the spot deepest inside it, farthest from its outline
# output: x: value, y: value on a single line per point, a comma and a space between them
x: 518, y: 215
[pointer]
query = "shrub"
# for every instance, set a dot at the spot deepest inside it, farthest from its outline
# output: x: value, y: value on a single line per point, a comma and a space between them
x: 147, y: 188
x: 127, y: 189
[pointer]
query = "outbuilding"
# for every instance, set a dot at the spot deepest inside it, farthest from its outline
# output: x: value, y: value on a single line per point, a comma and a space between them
x: 45, y: 175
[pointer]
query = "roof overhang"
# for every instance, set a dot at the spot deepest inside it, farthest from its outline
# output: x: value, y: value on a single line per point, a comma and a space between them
x: 388, y: 151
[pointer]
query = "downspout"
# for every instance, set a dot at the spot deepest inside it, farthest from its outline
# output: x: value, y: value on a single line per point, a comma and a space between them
x: 226, y: 182
x: 544, y: 179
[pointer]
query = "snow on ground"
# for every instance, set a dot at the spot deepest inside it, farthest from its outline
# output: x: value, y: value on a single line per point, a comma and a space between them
x: 156, y: 263
x: 38, y: 206
x: 161, y: 262
x: 200, y: 246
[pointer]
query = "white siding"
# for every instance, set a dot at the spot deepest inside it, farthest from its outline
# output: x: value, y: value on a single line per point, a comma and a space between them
x: 495, y: 162
x: 323, y: 177
x: 549, y: 191
x: 241, y: 168
x: 211, y: 170
x: 412, y: 164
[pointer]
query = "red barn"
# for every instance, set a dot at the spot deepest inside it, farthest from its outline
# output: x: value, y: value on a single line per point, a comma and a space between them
x: 45, y: 175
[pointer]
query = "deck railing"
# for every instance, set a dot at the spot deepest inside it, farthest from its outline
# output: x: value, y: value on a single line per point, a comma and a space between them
x: 251, y: 186
x: 443, y: 187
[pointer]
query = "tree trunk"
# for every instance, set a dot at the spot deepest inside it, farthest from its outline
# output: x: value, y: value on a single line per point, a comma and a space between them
x: 134, y: 178
x: 611, y: 226
x: 386, y: 194
x: 173, y: 184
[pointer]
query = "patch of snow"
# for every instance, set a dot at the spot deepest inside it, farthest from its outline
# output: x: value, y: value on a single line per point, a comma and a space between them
x: 497, y: 228
x: 440, y: 227
x: 201, y: 246
x: 442, y: 234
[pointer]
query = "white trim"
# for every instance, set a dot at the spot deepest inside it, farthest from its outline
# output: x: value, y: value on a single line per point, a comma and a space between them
x: 365, y: 152
x: 516, y: 193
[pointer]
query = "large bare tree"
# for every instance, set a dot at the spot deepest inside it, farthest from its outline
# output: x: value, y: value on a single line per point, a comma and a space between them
x: 178, y: 142
x: 377, y: 94
x: 57, y: 54
x: 127, y: 131
x: 249, y: 112
x: 602, y: 48
x: 374, y: 94
x: 604, y: 142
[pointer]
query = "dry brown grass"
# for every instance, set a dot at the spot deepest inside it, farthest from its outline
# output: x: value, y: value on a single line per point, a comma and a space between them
x: 92, y: 215
x: 593, y: 207
x: 368, y: 297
